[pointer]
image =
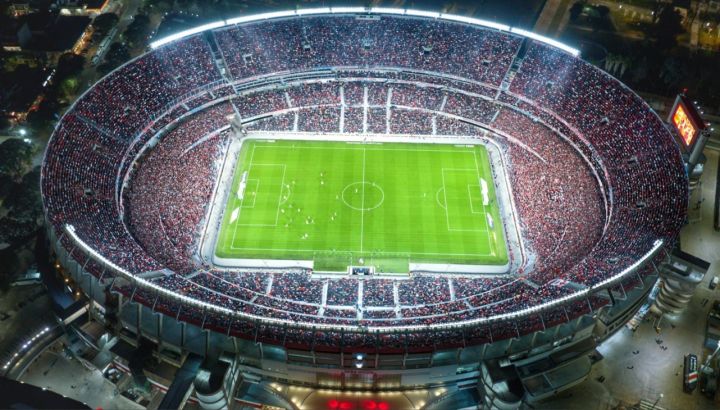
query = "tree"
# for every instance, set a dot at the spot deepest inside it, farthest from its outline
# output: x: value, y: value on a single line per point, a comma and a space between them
x: 668, y: 27
x: 639, y: 70
x: 4, y: 123
x: 41, y: 119
x: 104, y: 68
x: 9, y: 266
x: 138, y: 31
x: 602, y: 11
x: 14, y: 232
x: 24, y: 203
x: 15, y: 158
x: 69, y: 65
x: 68, y: 87
x: 657, y: 6
x: 673, y: 72
x: 6, y: 186
x: 117, y: 54
x: 105, y: 22
x: 576, y: 10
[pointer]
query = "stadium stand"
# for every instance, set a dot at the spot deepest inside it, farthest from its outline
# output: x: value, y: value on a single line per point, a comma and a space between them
x: 568, y: 130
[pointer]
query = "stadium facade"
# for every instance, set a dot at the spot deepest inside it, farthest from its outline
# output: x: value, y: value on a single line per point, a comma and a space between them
x: 597, y: 181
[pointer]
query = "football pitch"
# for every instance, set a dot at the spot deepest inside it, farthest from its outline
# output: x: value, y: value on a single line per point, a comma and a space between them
x: 344, y: 204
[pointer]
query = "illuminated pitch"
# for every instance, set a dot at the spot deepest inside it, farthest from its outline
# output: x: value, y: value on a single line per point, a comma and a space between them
x: 385, y: 205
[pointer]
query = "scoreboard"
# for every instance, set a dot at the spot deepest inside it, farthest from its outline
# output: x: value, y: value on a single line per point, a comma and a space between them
x: 685, y: 119
x: 687, y: 130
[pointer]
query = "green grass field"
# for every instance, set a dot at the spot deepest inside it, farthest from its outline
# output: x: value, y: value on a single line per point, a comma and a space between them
x: 338, y: 203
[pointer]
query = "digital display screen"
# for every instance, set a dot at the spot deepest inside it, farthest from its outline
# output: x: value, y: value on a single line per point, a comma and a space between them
x: 685, y: 126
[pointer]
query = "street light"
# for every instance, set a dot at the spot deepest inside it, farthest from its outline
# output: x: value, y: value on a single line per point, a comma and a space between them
x: 22, y: 132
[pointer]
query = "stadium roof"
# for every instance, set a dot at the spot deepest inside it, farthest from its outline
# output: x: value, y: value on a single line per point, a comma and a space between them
x: 368, y: 10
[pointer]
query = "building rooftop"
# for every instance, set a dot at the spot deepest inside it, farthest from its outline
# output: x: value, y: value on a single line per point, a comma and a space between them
x: 51, y: 31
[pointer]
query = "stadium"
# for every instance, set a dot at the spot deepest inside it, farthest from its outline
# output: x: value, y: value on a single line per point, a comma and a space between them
x: 366, y: 199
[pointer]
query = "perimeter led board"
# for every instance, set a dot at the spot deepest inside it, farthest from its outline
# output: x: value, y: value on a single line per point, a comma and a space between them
x: 686, y: 120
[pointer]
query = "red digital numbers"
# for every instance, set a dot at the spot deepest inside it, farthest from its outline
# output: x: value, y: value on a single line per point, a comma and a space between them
x: 684, y: 126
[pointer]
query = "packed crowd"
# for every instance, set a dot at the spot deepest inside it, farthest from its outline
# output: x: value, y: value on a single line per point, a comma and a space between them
x: 310, y: 94
x: 318, y: 42
x: 328, y: 106
x: 173, y: 186
x: 281, y: 122
x: 404, y: 121
x: 124, y: 102
x: 379, y: 292
x: 416, y: 97
x: 78, y: 186
x: 226, y: 289
x: 649, y: 193
x: 476, y: 109
x: 320, y: 119
x: 377, y: 121
x: 556, y: 195
x: 353, y: 119
x: 561, y: 206
x: 253, y: 104
x: 354, y: 93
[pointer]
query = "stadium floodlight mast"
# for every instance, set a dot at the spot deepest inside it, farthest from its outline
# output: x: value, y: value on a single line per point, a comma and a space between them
x: 365, y: 10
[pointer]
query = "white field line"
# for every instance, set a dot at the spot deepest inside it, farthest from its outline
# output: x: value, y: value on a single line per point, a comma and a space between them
x: 472, y: 209
x: 371, y: 148
x: 374, y: 253
x: 468, y: 230
x: 447, y: 205
x: 362, y: 206
x: 447, y: 217
x: 364, y: 148
x: 477, y: 168
x: 235, y: 228
x: 257, y: 186
x: 277, y: 213
x: 282, y: 182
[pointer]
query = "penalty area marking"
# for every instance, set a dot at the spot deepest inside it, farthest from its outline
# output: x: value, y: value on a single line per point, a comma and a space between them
x: 444, y: 189
x: 437, y: 198
x: 477, y: 167
x: 472, y: 209
x: 280, y: 196
x: 254, y: 193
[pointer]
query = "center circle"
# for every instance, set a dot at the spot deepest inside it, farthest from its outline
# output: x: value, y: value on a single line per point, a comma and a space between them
x: 363, y: 196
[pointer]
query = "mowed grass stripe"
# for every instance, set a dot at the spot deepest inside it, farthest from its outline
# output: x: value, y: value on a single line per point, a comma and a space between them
x: 393, y: 209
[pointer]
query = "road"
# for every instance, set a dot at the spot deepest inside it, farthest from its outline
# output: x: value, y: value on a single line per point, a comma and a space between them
x: 552, y: 17
x: 89, y: 75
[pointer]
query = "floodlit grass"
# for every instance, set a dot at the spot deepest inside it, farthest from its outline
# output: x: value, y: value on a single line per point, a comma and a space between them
x: 341, y: 204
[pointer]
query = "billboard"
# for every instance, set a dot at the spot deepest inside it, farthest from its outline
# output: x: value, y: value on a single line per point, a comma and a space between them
x: 686, y: 120
x: 690, y: 373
